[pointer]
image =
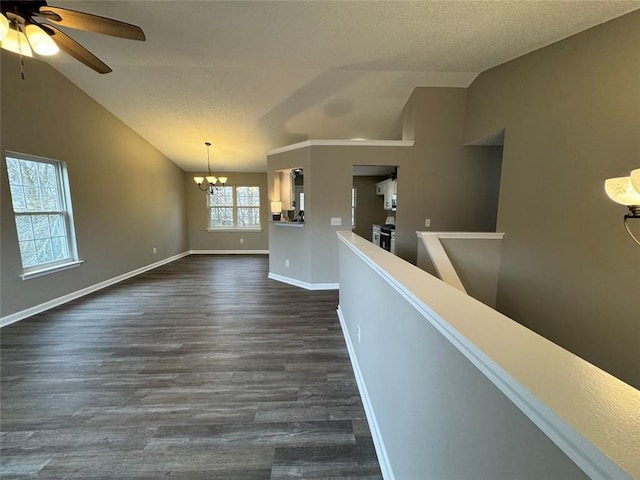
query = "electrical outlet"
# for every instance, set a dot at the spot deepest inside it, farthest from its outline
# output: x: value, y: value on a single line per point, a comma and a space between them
x: 242, y: 240
x: 286, y: 263
x: 336, y: 221
x: 154, y: 250
x: 359, y: 333
x: 427, y: 222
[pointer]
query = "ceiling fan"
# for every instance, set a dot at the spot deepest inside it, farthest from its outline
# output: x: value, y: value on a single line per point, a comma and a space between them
x: 27, y: 26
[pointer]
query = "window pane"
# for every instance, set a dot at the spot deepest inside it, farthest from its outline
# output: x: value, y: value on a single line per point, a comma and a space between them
x: 50, y: 199
x: 13, y: 171
x: 221, y: 217
x: 28, y: 253
x: 40, y: 226
x: 33, y: 199
x: 221, y: 197
x: 56, y: 225
x: 248, y: 217
x: 44, y: 250
x: 17, y: 198
x: 47, y: 175
x: 248, y: 196
x: 29, y: 172
x: 60, y: 248
x: 24, y: 227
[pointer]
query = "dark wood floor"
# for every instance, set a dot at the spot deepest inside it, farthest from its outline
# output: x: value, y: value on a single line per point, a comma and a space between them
x: 200, y: 369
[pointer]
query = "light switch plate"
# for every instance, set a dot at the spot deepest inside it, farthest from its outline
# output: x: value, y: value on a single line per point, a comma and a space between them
x: 336, y: 221
x: 427, y: 222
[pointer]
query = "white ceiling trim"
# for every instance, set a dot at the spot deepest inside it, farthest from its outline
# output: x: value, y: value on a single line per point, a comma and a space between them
x: 342, y: 143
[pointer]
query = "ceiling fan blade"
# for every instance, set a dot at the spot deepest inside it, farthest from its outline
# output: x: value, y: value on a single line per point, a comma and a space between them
x: 77, y: 51
x: 91, y: 23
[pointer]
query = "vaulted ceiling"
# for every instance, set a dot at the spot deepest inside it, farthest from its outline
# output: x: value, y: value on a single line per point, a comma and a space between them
x: 253, y: 76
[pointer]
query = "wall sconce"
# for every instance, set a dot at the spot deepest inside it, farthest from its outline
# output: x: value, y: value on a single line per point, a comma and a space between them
x: 276, y: 210
x: 626, y: 191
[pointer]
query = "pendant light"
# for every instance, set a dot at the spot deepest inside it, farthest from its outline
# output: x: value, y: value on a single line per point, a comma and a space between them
x: 212, y: 181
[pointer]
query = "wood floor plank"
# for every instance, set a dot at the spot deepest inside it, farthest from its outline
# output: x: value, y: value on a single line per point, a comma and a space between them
x: 201, y: 368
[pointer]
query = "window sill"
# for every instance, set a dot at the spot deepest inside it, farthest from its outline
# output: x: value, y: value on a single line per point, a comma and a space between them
x: 47, y: 271
x: 235, y: 229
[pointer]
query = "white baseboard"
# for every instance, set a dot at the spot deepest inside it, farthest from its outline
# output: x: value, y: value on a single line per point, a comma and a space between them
x: 21, y: 315
x: 229, y: 252
x: 305, y: 285
x: 378, y: 442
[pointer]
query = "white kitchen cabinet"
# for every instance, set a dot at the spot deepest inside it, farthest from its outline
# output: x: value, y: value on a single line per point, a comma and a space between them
x: 287, y: 195
x: 381, y: 187
x: 388, y: 188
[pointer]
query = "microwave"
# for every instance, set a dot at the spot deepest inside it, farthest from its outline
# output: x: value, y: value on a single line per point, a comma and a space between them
x: 394, y: 199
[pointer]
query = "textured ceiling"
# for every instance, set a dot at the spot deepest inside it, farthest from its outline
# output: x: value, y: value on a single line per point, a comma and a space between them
x: 253, y: 76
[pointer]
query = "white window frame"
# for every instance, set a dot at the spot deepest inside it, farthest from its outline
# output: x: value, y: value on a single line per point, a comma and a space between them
x: 234, y: 206
x: 354, y: 201
x: 66, y: 211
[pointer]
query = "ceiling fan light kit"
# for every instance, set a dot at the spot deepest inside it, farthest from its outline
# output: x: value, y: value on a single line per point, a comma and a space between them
x: 16, y: 42
x: 23, y: 31
x: 41, y: 43
x: 4, y: 26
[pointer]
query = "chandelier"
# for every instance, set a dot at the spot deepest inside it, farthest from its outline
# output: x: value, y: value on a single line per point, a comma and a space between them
x: 212, y: 182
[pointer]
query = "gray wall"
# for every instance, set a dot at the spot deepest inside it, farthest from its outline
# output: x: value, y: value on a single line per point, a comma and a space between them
x: 456, y: 187
x: 476, y: 262
x: 439, y: 416
x: 572, y: 118
x: 437, y: 159
x: 331, y: 179
x: 127, y: 197
x: 198, y: 216
x: 285, y: 243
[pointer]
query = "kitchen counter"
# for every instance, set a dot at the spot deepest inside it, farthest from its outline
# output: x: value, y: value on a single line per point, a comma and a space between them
x: 288, y: 224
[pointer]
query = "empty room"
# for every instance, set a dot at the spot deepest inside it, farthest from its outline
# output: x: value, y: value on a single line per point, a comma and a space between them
x: 320, y: 239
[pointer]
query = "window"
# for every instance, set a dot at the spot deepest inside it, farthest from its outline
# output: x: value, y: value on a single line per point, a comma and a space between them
x: 353, y: 207
x: 43, y: 216
x: 234, y: 208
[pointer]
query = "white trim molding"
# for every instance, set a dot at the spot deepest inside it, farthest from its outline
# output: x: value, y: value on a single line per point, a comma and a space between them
x: 229, y: 252
x: 376, y: 435
x: 288, y: 224
x: 342, y: 143
x: 233, y: 230
x: 47, y: 271
x: 441, y: 261
x: 301, y: 284
x: 589, y: 414
x: 43, y: 307
x: 464, y: 235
